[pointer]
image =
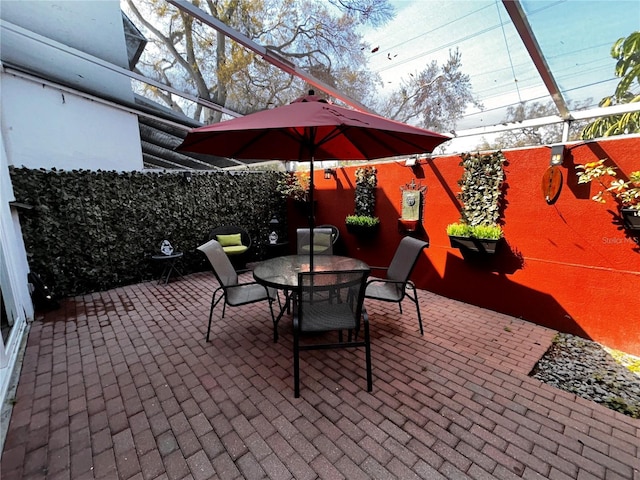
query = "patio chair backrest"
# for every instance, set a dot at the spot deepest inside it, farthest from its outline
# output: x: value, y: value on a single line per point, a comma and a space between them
x: 405, y: 258
x: 322, y: 241
x: 331, y: 300
x: 335, y: 233
x: 222, y: 267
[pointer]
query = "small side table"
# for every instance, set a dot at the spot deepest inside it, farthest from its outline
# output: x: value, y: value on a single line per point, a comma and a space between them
x: 277, y: 249
x: 169, y: 265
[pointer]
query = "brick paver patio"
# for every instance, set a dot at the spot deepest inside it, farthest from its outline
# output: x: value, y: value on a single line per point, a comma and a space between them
x: 122, y: 385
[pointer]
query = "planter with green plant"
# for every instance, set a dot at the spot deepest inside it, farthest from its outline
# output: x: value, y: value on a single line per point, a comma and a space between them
x: 481, y: 195
x: 362, y: 224
x: 625, y: 193
x: 363, y: 221
x: 479, y: 238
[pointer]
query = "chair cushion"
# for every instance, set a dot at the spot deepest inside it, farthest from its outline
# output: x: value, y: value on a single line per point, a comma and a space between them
x: 235, y: 249
x: 322, y: 239
x: 229, y: 240
x: 317, y: 248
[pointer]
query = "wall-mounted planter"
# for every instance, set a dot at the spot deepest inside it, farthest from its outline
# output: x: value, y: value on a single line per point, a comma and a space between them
x: 631, y: 218
x: 363, y: 230
x: 480, y: 245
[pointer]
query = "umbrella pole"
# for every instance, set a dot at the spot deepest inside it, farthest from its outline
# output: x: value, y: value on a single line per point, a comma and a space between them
x: 311, y: 216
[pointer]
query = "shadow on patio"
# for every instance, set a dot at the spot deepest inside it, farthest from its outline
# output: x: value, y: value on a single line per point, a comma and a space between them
x: 121, y: 384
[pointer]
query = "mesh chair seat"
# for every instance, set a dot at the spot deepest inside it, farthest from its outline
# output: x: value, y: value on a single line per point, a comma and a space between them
x: 323, y: 317
x: 381, y: 289
x: 249, y: 293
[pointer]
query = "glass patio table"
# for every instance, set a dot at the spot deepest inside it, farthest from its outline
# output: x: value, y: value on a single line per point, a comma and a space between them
x: 282, y: 272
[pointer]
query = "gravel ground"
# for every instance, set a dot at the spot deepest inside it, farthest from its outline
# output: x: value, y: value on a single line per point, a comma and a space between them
x: 593, y: 372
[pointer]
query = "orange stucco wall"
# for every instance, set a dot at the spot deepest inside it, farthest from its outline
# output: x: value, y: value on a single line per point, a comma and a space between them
x: 567, y: 266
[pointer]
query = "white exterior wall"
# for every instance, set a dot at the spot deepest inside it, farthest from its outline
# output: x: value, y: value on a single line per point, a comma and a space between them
x: 47, y: 127
x: 43, y: 125
x: 13, y: 278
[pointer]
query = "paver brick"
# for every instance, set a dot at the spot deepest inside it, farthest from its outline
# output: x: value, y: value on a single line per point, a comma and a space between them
x: 128, y: 389
x: 188, y: 443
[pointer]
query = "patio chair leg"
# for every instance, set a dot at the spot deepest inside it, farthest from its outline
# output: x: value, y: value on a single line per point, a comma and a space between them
x: 367, y: 347
x: 414, y: 299
x: 296, y: 359
x: 275, y: 322
x: 214, y: 302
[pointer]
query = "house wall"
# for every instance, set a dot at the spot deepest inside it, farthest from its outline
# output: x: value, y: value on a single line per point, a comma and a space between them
x: 46, y: 125
x: 567, y: 266
x: 13, y: 280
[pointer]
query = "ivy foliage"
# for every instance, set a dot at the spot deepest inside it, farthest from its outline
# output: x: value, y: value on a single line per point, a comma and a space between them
x: 365, y: 194
x: 481, y: 188
x: 94, y: 230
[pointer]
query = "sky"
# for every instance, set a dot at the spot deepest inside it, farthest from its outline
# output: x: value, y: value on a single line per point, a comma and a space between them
x: 575, y: 35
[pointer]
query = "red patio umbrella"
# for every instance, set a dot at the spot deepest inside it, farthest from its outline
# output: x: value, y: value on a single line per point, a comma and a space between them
x: 310, y: 129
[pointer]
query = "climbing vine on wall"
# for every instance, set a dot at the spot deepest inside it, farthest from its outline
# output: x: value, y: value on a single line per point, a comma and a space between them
x: 94, y: 230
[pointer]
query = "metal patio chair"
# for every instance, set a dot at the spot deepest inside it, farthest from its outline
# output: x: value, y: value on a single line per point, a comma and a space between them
x: 397, y: 285
x: 233, y: 293
x: 315, y: 312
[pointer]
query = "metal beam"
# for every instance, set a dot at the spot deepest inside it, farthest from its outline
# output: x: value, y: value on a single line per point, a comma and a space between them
x: 110, y: 66
x: 519, y: 19
x: 550, y: 120
x: 268, y: 55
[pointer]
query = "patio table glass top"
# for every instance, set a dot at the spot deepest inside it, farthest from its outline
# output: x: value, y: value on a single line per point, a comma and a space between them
x: 282, y: 272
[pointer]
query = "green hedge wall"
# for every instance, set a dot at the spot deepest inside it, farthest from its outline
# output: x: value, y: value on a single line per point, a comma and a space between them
x: 94, y: 230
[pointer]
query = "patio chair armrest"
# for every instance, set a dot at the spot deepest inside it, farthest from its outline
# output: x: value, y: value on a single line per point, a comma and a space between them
x: 379, y: 268
x: 384, y: 280
x: 243, y: 284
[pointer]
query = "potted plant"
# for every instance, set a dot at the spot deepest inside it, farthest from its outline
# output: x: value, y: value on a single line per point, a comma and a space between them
x: 481, y: 195
x: 362, y: 224
x: 626, y: 194
x: 363, y: 221
x: 478, y: 238
x: 296, y: 188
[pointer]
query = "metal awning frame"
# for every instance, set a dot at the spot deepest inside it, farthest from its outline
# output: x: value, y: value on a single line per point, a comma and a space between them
x: 513, y: 7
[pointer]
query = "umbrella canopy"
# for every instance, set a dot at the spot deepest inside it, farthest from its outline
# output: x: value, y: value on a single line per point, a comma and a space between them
x: 310, y: 129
